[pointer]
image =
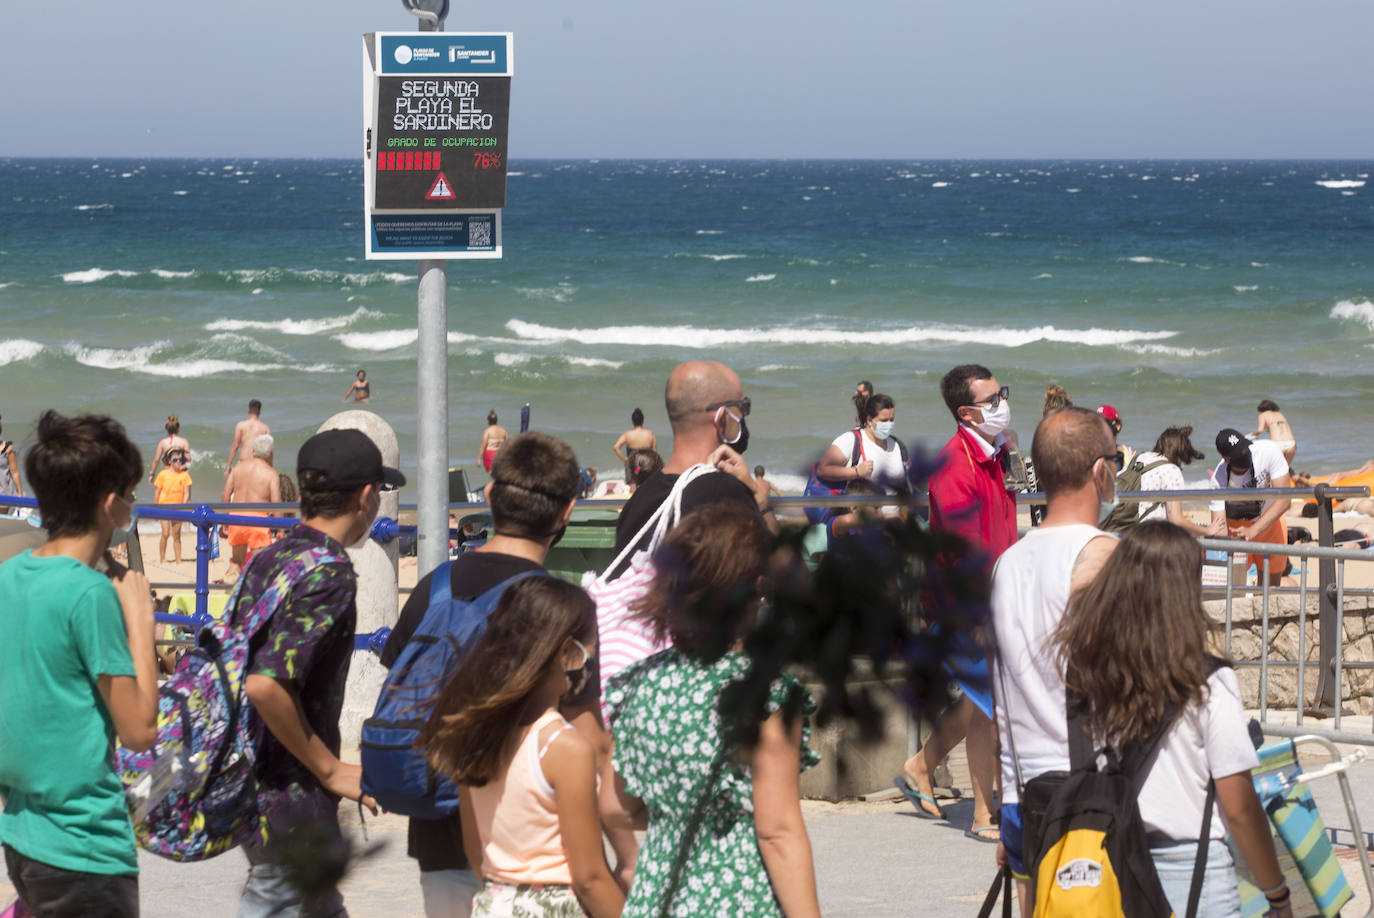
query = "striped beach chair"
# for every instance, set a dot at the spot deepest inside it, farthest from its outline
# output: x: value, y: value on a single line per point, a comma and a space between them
x: 1315, y: 880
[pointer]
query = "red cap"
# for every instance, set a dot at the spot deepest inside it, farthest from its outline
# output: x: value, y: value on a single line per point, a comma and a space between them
x: 1108, y: 412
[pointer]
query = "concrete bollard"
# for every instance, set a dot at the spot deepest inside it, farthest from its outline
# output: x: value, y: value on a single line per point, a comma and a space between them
x: 376, y: 566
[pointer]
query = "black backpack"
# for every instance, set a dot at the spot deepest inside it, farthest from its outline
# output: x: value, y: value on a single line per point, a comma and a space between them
x: 1127, y: 512
x: 1084, y: 842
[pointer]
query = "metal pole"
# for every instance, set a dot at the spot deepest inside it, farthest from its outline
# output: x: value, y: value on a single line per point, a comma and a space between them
x: 1328, y: 621
x: 431, y: 479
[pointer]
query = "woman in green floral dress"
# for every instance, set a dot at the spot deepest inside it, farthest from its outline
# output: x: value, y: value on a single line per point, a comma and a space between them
x: 725, y: 830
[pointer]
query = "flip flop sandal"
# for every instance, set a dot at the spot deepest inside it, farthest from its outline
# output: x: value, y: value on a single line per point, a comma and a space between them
x: 977, y: 834
x: 915, y: 798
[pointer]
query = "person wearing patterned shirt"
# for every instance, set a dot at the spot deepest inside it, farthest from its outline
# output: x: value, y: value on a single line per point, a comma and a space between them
x: 297, y: 668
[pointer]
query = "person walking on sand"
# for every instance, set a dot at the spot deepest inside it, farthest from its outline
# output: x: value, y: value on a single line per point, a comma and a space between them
x: 1075, y: 459
x: 360, y: 389
x: 638, y: 437
x: 969, y: 497
x: 173, y: 486
x: 245, y: 432
x: 493, y: 438
x: 254, y: 481
x: 1272, y: 421
x: 173, y: 441
x: 11, y: 485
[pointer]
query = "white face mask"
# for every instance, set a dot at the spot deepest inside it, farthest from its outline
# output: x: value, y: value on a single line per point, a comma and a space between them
x: 995, y: 420
x: 883, y: 429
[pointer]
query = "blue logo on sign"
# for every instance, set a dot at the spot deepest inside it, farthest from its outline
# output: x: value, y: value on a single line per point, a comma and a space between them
x: 443, y: 53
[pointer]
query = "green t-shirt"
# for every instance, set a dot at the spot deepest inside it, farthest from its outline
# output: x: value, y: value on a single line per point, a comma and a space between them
x: 63, y: 628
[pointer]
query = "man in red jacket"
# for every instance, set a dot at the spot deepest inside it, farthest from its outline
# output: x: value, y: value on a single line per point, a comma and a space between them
x: 969, y: 497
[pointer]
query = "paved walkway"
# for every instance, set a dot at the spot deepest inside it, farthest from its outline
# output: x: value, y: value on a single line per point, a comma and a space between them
x: 873, y: 860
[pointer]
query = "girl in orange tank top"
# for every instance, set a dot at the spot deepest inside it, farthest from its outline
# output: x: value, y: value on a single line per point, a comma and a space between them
x: 526, y: 779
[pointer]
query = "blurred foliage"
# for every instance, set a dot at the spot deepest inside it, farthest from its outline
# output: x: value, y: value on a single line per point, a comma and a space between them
x: 895, y: 594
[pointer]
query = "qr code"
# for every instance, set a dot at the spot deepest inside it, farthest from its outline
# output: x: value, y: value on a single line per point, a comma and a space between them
x: 479, y: 234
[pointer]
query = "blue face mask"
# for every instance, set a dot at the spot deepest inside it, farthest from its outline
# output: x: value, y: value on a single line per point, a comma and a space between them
x: 883, y: 429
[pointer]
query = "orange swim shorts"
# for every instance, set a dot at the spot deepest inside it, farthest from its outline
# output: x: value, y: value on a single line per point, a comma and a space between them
x: 254, y: 537
x: 1276, y: 534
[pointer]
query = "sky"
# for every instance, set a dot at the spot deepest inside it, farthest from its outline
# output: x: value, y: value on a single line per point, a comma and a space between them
x: 715, y: 78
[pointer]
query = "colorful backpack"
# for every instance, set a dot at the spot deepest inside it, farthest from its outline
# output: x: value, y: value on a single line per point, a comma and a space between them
x: 193, y: 795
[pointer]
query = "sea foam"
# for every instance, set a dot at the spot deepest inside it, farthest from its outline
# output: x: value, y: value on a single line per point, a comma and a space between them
x: 294, y: 326
x: 694, y: 337
x: 14, y: 350
x: 94, y: 275
x: 391, y: 339
x: 758, y: 278
x: 1150, y: 260
x: 1362, y: 312
x: 1341, y: 183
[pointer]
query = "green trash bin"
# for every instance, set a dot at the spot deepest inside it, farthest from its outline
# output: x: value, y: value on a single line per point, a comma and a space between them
x: 588, y: 545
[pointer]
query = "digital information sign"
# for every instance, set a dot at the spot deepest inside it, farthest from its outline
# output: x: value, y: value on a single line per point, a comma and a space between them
x: 436, y: 113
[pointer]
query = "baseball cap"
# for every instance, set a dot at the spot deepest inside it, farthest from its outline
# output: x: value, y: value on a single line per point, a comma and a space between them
x: 1232, y: 444
x: 1110, y: 413
x: 347, y: 459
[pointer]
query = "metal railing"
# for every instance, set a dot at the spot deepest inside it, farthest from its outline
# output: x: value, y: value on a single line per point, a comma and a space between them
x: 1330, y: 588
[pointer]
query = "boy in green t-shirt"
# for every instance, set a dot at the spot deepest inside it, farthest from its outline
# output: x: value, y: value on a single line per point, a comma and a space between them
x: 77, y: 669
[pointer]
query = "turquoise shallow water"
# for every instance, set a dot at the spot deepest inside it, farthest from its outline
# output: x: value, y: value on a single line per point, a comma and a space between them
x: 1180, y: 292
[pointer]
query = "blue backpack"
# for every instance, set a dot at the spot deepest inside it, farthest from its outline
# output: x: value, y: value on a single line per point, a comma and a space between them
x: 395, y: 772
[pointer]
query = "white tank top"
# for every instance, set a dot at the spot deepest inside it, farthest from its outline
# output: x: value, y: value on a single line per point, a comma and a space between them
x: 1030, y: 591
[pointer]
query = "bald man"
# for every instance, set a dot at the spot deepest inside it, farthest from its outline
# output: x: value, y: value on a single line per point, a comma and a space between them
x: 707, y: 409
x: 1075, y: 460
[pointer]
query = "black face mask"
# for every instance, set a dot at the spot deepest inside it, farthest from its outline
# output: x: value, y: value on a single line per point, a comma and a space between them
x: 558, y: 535
x: 741, y: 440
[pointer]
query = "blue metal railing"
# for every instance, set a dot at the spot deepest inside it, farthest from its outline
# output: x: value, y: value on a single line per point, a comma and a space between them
x: 206, y: 519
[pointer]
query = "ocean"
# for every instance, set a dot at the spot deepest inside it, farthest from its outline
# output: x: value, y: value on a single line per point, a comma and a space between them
x: 1179, y: 292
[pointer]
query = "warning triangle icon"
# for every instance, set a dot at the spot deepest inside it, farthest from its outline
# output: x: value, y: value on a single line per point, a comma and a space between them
x: 441, y: 190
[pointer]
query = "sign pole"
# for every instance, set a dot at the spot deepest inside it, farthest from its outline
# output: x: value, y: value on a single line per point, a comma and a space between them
x: 431, y: 392
x: 436, y: 110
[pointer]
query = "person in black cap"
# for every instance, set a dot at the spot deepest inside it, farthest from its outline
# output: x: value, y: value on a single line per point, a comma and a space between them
x: 298, y: 664
x: 1257, y: 464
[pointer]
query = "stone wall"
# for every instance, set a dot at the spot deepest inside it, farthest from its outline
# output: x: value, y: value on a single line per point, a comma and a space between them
x: 1249, y: 637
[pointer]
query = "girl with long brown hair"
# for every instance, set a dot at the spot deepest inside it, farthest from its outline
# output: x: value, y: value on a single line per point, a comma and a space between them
x: 1134, y: 645
x: 526, y: 780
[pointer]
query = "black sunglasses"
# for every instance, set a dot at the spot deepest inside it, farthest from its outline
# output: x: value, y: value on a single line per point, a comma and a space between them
x: 995, y: 398
x: 741, y: 403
